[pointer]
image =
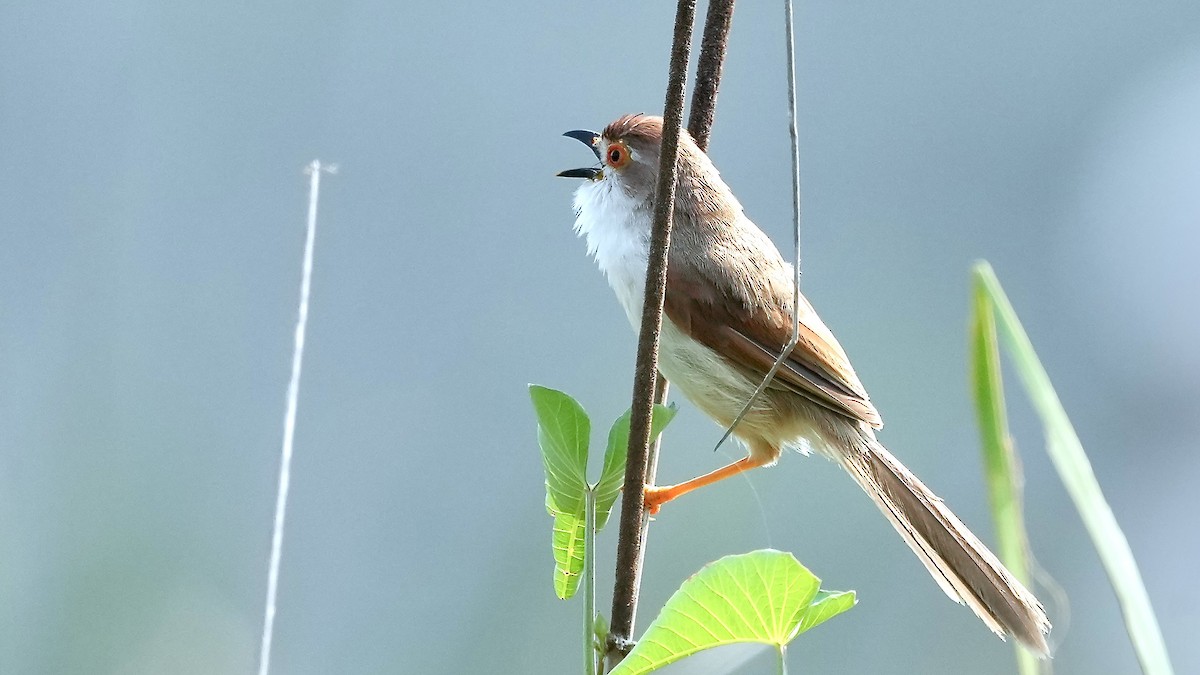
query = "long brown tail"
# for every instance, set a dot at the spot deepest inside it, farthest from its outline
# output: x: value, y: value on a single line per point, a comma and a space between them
x: 965, y: 569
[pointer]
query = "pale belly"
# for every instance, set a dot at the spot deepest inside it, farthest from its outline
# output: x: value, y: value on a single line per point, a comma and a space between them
x: 776, y: 421
x: 703, y: 376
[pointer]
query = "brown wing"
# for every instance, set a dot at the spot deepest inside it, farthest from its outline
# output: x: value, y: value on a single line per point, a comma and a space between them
x: 752, y: 334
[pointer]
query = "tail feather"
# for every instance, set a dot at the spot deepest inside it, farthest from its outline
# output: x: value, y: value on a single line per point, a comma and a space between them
x: 964, y: 568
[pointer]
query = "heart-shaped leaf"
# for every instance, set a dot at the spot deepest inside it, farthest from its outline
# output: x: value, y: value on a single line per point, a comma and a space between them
x: 568, y: 544
x: 612, y: 477
x: 563, y: 434
x: 764, y: 596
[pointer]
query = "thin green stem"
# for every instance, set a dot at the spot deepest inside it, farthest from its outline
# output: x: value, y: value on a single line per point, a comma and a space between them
x: 1001, y: 467
x: 1069, y: 459
x: 589, y: 581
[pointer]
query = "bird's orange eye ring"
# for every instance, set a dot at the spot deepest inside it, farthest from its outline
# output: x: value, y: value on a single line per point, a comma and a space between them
x: 617, y: 155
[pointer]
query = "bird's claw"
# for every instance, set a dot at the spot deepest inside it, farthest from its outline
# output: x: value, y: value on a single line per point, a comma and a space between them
x: 655, y: 497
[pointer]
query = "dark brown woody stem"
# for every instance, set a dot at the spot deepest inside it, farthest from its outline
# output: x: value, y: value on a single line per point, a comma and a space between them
x: 708, y: 70
x: 629, y: 544
x: 649, y: 386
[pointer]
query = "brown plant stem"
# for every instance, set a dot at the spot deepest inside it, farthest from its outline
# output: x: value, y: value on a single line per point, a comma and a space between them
x: 708, y: 70
x: 649, y: 385
x: 630, y: 539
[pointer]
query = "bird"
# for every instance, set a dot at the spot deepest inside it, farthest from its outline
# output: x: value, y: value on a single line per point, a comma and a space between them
x: 727, y: 316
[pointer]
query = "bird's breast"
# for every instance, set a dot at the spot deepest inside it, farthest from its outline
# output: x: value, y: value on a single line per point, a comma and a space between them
x: 617, y: 230
x: 618, y: 238
x: 707, y: 379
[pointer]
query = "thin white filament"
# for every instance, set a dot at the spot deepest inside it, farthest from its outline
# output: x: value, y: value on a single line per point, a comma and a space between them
x: 787, y: 350
x: 289, y: 422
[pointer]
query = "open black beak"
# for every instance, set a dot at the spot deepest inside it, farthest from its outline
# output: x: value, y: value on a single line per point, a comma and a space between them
x: 592, y: 140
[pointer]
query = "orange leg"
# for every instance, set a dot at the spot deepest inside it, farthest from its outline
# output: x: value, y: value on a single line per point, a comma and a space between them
x: 656, y: 496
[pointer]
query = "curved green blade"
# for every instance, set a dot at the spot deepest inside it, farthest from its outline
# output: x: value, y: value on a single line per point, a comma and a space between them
x: 764, y: 596
x: 1001, y: 468
x: 563, y: 433
x: 1075, y: 471
x: 568, y: 543
x: 824, y: 606
x: 612, y: 477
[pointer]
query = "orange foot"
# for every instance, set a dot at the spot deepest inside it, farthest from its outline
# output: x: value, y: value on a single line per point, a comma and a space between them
x: 656, y: 496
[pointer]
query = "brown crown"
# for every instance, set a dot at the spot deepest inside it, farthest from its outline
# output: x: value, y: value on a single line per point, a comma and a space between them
x: 635, y: 128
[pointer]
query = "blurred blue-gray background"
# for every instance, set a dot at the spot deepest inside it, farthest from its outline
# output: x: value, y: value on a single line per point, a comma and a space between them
x: 151, y: 224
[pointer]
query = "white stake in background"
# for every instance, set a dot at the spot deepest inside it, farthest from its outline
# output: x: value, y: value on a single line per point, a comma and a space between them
x: 289, y: 420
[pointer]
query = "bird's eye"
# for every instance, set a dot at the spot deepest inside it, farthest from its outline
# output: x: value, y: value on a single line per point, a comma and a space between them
x: 617, y: 155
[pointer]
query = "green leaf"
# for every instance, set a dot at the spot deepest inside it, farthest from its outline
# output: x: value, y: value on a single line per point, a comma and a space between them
x: 563, y: 434
x: 999, y: 461
x: 824, y: 606
x: 1075, y: 471
x: 764, y: 596
x: 568, y: 544
x: 600, y: 633
x: 612, y: 477
x: 1001, y: 468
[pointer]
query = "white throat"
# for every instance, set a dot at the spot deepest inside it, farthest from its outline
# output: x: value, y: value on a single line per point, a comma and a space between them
x: 617, y: 229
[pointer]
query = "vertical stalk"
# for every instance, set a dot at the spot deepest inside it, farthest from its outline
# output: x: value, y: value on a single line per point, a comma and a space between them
x: 630, y: 539
x: 589, y: 581
x: 1001, y: 467
x: 708, y: 70
x: 1071, y: 462
x: 289, y: 422
x: 643, y: 457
